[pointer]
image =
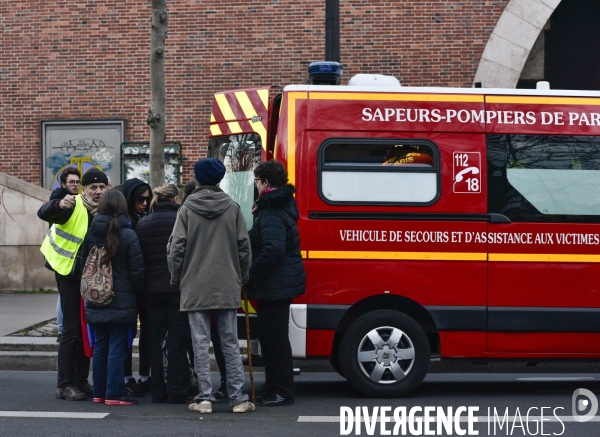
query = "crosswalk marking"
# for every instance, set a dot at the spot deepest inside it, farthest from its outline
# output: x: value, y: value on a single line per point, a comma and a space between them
x: 53, y: 414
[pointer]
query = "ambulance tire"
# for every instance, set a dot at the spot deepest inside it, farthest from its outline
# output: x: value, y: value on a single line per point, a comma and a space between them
x: 393, y: 368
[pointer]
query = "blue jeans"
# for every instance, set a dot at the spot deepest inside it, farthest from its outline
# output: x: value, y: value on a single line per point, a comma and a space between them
x: 109, y: 359
x: 227, y: 327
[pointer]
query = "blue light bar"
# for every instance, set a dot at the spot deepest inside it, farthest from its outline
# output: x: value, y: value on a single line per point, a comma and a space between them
x: 324, y: 73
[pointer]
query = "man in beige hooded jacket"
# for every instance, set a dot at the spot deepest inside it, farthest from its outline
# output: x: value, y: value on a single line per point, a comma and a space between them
x: 209, y: 260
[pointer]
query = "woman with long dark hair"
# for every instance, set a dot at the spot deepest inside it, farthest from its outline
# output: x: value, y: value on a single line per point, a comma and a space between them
x: 111, y: 229
x: 138, y: 195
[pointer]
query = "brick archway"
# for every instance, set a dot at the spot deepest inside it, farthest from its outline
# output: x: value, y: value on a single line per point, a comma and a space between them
x: 511, y: 41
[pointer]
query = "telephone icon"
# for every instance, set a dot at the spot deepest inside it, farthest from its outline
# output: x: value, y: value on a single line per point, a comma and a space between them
x: 460, y: 175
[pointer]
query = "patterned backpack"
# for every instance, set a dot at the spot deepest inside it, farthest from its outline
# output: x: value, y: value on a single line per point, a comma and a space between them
x: 97, y: 279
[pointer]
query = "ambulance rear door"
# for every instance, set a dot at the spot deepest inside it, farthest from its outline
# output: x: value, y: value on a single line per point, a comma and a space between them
x: 544, y: 198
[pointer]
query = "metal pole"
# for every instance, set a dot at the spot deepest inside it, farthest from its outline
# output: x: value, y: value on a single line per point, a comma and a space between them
x: 248, y: 348
x: 332, y: 30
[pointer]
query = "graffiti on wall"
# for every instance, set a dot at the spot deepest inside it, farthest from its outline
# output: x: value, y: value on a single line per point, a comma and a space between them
x: 81, y: 145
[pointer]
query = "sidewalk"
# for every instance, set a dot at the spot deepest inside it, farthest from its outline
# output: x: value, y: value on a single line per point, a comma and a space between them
x: 20, y: 311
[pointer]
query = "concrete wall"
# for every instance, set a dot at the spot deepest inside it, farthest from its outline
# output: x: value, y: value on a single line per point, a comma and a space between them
x: 512, y: 40
x: 21, y: 234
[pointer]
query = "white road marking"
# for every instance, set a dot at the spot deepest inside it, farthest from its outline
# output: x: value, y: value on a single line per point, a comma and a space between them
x: 558, y: 378
x: 318, y: 419
x: 54, y: 414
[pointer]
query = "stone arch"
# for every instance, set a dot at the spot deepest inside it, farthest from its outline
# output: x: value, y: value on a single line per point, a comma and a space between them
x: 511, y: 41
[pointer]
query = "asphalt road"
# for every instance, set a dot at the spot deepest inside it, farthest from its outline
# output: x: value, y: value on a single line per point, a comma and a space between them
x: 315, y: 413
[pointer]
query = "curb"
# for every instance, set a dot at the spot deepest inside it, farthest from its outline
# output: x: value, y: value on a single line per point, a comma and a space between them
x: 41, y: 354
x: 47, y: 361
x: 19, y: 353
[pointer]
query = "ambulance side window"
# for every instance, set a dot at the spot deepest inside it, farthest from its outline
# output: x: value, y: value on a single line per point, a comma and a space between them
x: 377, y: 171
x: 544, y: 178
x: 240, y: 154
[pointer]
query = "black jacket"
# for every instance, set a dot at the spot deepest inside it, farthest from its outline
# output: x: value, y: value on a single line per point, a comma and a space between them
x: 277, y: 271
x: 59, y: 193
x: 154, y: 231
x: 133, y: 187
x: 50, y: 212
x: 128, y: 273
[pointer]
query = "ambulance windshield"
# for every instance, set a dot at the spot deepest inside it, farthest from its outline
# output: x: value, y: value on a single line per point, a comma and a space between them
x: 240, y: 154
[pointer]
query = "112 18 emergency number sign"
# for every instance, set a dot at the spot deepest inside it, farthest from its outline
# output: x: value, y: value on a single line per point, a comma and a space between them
x: 466, y: 172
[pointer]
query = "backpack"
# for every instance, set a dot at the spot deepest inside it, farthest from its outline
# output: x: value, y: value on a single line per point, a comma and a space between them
x: 97, y: 279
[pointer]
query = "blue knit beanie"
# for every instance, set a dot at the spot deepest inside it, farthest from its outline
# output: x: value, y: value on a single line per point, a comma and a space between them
x: 209, y: 171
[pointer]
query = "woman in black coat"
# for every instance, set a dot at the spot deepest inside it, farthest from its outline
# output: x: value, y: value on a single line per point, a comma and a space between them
x: 276, y: 277
x: 138, y: 195
x: 162, y: 300
x: 111, y: 229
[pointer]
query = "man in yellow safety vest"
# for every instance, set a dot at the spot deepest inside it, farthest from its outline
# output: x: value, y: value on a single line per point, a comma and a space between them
x: 71, y: 217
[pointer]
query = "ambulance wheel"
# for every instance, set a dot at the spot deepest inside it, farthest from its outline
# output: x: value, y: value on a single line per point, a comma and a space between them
x: 384, y: 354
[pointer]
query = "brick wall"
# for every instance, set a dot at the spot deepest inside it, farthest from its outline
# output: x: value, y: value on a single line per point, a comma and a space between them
x: 74, y: 59
x: 422, y: 43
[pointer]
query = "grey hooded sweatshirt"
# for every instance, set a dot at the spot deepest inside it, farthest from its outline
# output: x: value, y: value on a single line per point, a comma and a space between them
x: 209, y: 252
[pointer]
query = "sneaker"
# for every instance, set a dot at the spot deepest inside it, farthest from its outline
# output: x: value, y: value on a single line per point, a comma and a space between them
x: 70, y: 393
x: 86, y: 388
x: 221, y: 392
x: 99, y: 400
x: 244, y: 407
x: 133, y: 389
x: 145, y: 385
x: 204, y: 407
x: 120, y: 401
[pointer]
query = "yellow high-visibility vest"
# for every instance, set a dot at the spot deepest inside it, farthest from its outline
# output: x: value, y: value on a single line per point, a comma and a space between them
x: 247, y: 304
x: 62, y: 241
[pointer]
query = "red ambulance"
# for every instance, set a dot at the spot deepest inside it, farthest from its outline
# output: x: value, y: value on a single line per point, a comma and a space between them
x: 448, y: 223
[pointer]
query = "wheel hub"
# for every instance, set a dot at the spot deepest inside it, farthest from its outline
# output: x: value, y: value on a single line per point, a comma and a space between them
x: 386, y: 355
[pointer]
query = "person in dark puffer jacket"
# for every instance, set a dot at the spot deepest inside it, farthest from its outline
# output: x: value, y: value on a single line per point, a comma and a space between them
x: 138, y: 195
x: 276, y: 277
x: 162, y: 300
x: 111, y: 229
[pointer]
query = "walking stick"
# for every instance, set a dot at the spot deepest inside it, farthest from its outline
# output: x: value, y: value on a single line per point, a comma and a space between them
x: 248, y: 348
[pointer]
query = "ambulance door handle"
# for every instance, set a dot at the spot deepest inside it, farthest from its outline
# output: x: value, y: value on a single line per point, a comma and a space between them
x: 499, y: 218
